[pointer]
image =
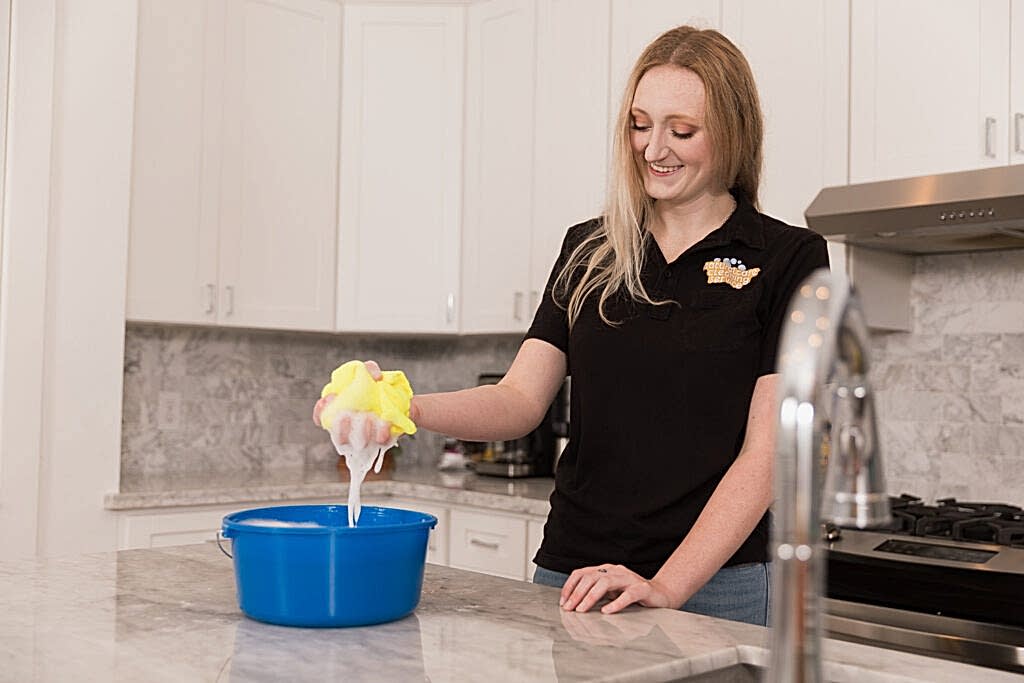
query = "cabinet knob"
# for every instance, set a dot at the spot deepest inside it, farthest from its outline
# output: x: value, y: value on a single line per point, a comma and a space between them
x: 449, y: 311
x: 229, y: 290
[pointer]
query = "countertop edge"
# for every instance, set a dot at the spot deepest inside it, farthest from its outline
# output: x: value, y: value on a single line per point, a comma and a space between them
x: 162, y: 500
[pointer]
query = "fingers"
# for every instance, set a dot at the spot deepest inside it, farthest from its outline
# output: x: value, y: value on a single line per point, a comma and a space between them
x: 319, y: 408
x: 373, y: 369
x: 382, y: 433
x: 625, y: 599
x: 585, y: 587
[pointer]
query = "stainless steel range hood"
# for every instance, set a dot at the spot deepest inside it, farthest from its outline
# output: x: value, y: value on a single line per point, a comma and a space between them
x: 937, y: 214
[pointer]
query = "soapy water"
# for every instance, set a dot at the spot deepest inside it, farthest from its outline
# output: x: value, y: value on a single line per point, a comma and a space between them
x: 280, y: 523
x: 359, y: 454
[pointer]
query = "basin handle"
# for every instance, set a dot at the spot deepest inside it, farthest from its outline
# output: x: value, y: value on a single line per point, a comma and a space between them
x: 220, y: 536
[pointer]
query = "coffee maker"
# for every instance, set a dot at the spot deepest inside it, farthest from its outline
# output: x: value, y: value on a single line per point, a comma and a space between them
x: 533, y: 455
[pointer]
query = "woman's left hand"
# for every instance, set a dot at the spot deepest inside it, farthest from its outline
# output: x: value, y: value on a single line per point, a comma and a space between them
x: 586, y: 586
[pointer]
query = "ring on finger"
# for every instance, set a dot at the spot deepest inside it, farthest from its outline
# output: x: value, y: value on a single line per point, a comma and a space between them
x: 603, y: 570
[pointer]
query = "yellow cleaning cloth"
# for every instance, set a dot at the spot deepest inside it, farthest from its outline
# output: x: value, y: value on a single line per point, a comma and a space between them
x: 355, y: 389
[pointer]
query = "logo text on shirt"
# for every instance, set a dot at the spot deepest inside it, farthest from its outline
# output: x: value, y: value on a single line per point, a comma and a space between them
x: 731, y: 271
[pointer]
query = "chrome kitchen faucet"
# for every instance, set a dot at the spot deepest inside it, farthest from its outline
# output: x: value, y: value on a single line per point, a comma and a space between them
x: 823, y: 360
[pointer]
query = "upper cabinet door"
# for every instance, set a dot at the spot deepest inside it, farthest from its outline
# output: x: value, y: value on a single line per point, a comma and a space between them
x: 499, y: 166
x: 172, y: 260
x: 401, y: 168
x: 1016, y: 117
x: 804, y: 97
x: 279, y: 175
x: 929, y: 86
x: 572, y: 126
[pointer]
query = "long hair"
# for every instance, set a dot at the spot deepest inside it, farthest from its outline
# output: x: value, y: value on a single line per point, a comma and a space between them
x: 611, y: 258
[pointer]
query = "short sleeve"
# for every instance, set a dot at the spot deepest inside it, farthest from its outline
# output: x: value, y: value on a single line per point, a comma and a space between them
x: 808, y: 255
x: 551, y: 321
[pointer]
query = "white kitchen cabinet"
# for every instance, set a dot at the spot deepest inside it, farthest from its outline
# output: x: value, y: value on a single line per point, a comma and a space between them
x: 401, y: 168
x: 571, y: 141
x: 234, y: 175
x: 534, y: 536
x: 488, y: 542
x: 802, y: 85
x: 500, y: 84
x: 1016, y: 117
x: 437, y: 546
x: 930, y: 86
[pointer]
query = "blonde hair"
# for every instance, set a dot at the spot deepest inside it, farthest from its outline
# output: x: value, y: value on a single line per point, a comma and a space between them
x: 611, y: 258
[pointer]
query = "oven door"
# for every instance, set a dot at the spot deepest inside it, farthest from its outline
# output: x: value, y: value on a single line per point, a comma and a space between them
x: 962, y: 640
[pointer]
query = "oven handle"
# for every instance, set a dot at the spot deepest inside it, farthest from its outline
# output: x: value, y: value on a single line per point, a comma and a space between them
x: 961, y: 640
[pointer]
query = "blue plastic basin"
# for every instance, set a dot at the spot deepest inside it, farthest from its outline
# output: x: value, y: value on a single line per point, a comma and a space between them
x: 330, y: 574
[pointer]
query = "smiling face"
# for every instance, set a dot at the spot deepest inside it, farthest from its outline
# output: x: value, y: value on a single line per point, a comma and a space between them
x: 671, y: 146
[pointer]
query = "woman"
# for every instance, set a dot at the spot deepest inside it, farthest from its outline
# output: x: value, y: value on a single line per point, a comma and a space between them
x: 666, y: 312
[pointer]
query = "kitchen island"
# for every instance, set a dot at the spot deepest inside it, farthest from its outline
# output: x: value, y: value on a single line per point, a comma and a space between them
x: 170, y: 615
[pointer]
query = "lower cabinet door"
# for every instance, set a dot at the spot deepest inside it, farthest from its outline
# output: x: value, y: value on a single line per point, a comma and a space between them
x: 488, y: 542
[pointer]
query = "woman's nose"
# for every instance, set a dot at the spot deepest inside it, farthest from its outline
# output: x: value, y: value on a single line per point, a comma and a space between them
x: 656, y: 146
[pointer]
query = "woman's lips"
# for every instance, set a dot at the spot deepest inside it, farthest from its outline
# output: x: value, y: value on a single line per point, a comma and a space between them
x: 662, y: 171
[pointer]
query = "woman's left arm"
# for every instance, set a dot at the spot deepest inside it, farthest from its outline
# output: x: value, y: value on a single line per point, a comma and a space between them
x: 732, y: 512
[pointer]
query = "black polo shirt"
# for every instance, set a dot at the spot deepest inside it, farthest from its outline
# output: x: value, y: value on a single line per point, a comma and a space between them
x: 659, y: 403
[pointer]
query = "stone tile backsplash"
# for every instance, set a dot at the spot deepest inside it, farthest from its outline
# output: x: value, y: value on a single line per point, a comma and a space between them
x: 951, y: 391
x: 221, y: 399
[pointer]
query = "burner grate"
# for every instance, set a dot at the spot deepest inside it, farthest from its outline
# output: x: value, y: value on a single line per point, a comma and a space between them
x: 958, y: 520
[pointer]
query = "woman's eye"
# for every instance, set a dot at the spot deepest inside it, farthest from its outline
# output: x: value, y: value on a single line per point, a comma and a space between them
x: 682, y: 136
x: 639, y: 127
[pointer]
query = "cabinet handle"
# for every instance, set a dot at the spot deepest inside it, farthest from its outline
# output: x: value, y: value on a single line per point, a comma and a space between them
x: 484, y: 544
x: 534, y: 299
x: 990, y: 129
x: 449, y: 310
x: 517, y: 306
x: 211, y: 298
x: 230, y: 289
x: 1018, y: 134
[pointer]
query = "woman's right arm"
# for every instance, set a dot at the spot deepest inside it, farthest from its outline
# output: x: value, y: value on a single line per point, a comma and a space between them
x: 510, y: 409
x: 507, y: 410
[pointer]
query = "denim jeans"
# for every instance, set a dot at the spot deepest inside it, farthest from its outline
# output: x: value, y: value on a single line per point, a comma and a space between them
x: 740, y: 593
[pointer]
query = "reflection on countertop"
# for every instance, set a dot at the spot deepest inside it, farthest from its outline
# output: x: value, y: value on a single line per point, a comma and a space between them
x: 529, y: 495
x: 170, y: 614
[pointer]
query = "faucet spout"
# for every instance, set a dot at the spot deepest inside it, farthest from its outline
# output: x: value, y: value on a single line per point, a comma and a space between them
x: 826, y: 419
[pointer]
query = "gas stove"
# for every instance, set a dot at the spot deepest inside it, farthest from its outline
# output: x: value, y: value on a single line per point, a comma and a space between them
x: 945, y: 580
x: 949, y: 518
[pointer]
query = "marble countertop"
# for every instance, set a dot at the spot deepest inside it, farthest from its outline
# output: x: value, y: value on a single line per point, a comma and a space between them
x: 171, y: 615
x: 527, y: 495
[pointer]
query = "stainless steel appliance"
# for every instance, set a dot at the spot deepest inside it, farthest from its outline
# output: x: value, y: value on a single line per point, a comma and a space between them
x: 946, y: 580
x: 533, y: 455
x: 974, y: 210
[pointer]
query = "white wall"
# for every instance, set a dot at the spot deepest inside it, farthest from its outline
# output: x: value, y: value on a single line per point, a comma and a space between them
x: 63, y: 287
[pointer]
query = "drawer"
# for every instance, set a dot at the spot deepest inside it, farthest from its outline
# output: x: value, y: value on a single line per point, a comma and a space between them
x: 488, y: 543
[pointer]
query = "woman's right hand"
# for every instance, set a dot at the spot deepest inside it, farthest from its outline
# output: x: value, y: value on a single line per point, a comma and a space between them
x: 375, y: 430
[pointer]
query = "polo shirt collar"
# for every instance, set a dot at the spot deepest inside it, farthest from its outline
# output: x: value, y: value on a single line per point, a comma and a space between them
x: 743, y: 225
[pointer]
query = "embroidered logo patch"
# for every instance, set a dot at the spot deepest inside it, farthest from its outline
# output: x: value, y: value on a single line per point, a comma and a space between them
x: 730, y: 271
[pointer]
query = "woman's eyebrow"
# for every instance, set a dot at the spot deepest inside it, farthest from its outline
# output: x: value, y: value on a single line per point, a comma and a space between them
x: 671, y: 117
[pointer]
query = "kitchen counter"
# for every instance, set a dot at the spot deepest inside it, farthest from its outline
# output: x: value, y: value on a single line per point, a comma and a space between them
x: 170, y: 615
x: 527, y: 496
